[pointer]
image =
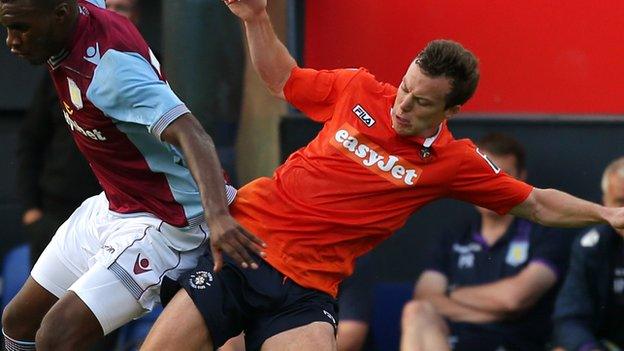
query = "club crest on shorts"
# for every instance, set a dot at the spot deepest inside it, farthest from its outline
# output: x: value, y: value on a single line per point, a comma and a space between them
x: 141, y: 265
x: 200, y: 280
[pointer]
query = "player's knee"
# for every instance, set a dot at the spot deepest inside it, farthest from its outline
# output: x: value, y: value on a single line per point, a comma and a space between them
x: 16, y: 324
x: 417, y: 311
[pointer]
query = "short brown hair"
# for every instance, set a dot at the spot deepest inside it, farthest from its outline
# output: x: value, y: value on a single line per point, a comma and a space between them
x: 503, y: 145
x: 449, y: 59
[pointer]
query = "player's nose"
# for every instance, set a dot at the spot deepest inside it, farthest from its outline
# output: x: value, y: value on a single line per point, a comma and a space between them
x: 13, y: 41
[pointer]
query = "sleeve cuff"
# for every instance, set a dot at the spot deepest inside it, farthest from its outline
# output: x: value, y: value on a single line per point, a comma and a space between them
x: 166, y: 119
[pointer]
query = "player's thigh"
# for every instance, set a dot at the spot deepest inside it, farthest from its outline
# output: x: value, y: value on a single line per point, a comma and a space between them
x: 179, y: 327
x: 311, y: 337
x: 108, y: 301
x: 66, y: 257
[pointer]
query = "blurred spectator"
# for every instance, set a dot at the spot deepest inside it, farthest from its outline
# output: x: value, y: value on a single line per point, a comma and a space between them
x: 590, y: 307
x: 492, y: 284
x: 355, y: 301
x: 126, y: 8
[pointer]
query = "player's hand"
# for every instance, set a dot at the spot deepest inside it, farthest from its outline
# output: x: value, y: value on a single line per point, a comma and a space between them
x: 226, y: 235
x: 31, y: 216
x: 246, y: 9
x: 617, y: 220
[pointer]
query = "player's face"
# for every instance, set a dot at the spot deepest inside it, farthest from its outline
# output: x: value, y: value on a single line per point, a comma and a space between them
x: 30, y: 31
x: 420, y: 104
x: 614, y: 196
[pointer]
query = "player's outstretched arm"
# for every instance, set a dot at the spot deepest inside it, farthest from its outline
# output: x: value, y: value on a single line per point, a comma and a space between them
x: 269, y: 56
x: 226, y: 235
x: 555, y: 208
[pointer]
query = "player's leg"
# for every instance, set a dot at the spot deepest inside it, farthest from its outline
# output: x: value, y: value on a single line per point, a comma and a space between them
x: 351, y: 334
x: 22, y: 316
x: 236, y: 343
x: 95, y: 305
x: 423, y: 328
x: 312, y: 337
x: 179, y: 327
x: 49, y: 280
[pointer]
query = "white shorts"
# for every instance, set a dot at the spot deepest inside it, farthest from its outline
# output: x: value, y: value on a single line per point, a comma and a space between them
x: 115, y: 263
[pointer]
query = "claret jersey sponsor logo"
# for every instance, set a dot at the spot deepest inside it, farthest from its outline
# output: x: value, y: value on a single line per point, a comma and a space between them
x: 73, y: 125
x: 363, y: 151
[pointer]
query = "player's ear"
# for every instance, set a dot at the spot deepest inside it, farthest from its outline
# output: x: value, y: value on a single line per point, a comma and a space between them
x: 62, y: 11
x: 450, y: 111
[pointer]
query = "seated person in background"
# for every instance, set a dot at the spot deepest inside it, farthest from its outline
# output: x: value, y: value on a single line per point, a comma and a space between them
x: 589, y: 308
x: 492, y: 285
x: 355, y: 304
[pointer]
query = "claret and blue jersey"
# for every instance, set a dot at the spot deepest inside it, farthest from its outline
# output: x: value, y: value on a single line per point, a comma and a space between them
x: 117, y: 102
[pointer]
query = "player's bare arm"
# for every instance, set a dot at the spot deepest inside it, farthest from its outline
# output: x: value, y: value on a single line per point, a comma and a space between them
x: 226, y: 235
x: 269, y: 56
x: 510, y: 295
x: 432, y: 285
x: 555, y: 208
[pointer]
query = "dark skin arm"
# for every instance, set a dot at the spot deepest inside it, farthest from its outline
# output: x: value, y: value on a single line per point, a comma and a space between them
x: 226, y: 235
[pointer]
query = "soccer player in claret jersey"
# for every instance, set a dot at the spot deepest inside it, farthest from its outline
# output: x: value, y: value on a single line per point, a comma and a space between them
x: 163, y: 185
x: 382, y: 154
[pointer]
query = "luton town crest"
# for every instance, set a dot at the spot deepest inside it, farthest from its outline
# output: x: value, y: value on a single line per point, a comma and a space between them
x: 200, y: 280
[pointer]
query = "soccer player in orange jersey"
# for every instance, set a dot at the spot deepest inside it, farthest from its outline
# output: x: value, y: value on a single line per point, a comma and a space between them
x: 382, y: 154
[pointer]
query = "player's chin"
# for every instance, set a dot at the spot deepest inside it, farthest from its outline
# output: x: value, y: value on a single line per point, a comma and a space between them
x: 33, y: 60
x: 36, y: 61
x: 403, y: 130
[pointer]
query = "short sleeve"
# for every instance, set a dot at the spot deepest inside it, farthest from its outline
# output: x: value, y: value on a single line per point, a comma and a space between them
x: 126, y: 88
x: 551, y: 247
x: 315, y: 93
x: 98, y: 3
x: 480, y: 182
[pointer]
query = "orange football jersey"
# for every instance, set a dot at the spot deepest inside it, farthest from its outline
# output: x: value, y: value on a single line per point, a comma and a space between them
x: 358, y: 181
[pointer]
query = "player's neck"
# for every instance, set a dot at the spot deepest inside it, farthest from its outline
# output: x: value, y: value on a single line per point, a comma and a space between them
x: 493, y: 227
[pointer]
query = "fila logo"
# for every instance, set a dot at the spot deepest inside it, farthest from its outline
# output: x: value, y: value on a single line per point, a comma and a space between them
x: 141, y: 265
x: 363, y: 115
x: 93, y: 54
x: 358, y: 148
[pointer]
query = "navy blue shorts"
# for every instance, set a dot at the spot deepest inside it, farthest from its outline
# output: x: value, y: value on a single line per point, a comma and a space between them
x: 261, y: 302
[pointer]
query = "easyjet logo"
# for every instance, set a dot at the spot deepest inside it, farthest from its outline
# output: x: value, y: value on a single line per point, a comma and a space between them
x: 360, y: 149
